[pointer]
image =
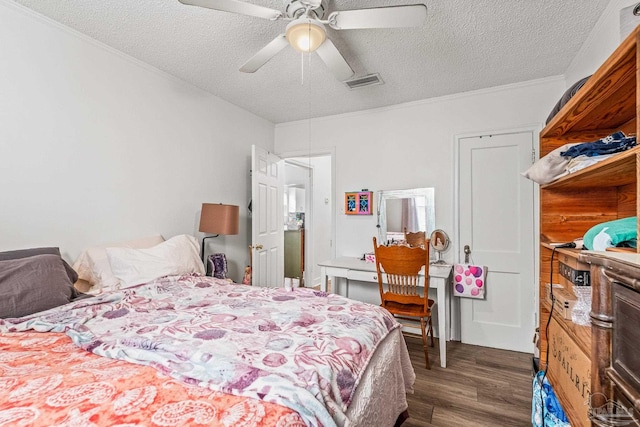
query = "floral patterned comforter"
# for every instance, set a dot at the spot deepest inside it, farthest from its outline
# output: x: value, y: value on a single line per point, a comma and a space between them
x: 46, y: 380
x: 302, y: 349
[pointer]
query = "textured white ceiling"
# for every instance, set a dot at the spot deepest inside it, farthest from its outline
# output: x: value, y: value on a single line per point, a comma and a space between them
x: 465, y: 45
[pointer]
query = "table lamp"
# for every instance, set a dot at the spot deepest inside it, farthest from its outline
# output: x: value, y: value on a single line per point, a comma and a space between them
x: 218, y: 219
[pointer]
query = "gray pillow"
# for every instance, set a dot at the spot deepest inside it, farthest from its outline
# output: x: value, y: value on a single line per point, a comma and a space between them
x: 566, y: 96
x: 32, y: 284
x: 24, y: 253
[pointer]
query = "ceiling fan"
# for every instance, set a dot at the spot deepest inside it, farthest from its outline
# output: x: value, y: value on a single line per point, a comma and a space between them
x: 306, y: 31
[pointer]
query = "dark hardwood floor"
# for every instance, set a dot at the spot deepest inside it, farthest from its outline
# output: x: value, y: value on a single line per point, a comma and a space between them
x: 479, y: 387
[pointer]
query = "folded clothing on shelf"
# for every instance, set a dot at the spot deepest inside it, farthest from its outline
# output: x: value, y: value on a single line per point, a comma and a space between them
x: 582, y: 161
x: 572, y: 157
x: 614, y: 143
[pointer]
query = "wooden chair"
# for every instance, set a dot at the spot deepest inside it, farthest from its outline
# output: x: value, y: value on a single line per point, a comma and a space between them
x: 398, y: 279
x: 416, y: 239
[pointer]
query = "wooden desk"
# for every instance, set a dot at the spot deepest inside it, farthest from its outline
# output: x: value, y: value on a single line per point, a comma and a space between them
x: 439, y: 279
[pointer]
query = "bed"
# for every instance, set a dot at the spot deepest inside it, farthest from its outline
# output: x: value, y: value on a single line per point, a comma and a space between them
x: 187, y: 349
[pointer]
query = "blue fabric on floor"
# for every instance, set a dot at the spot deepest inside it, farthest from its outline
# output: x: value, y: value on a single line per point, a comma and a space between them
x: 554, y: 415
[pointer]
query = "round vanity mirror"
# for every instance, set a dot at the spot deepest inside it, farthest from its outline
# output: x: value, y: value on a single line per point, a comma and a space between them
x: 439, y: 241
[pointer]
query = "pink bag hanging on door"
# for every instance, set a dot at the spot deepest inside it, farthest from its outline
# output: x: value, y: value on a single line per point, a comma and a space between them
x: 469, y: 280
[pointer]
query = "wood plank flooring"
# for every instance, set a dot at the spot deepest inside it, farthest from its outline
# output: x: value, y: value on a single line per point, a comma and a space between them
x: 479, y: 387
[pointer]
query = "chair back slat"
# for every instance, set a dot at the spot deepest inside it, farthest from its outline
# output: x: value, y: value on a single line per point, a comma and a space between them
x: 401, y: 284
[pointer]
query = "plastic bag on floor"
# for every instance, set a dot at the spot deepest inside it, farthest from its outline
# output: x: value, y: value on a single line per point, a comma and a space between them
x: 554, y: 415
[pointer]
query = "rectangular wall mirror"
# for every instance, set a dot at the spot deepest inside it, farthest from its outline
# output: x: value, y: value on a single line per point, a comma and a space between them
x: 413, y: 208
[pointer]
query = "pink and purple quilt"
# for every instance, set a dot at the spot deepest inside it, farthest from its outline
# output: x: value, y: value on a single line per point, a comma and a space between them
x: 302, y: 349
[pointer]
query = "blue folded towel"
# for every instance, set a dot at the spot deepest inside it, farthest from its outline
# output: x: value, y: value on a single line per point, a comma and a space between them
x: 614, y: 143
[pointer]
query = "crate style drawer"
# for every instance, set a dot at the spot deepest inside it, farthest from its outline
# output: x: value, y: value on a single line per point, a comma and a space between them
x: 570, y: 373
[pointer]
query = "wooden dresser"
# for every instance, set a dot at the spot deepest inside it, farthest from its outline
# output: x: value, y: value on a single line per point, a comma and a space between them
x: 615, y: 318
x: 570, y: 206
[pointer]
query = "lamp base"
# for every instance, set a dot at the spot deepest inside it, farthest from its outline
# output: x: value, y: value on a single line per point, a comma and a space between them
x: 202, y: 248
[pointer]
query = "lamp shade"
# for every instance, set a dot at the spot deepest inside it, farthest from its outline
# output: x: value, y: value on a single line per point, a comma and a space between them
x: 219, y: 218
x: 305, y: 35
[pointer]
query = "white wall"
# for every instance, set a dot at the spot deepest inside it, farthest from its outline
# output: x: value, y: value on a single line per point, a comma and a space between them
x: 96, y: 147
x: 603, y: 39
x: 411, y: 146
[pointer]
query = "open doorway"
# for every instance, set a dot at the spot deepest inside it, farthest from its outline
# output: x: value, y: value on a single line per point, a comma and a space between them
x: 308, y: 216
x: 297, y: 188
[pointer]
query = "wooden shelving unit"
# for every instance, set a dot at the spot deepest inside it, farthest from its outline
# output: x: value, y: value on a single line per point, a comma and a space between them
x: 613, y: 172
x: 570, y: 206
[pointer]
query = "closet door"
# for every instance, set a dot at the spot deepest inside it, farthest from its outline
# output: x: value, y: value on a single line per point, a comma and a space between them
x: 496, y: 214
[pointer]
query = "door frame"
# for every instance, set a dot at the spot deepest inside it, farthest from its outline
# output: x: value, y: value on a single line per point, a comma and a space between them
x: 331, y: 152
x: 535, y: 129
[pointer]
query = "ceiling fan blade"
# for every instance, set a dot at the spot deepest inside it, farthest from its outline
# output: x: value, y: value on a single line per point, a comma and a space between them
x: 236, y: 6
x: 265, y: 54
x: 331, y: 56
x: 381, y: 17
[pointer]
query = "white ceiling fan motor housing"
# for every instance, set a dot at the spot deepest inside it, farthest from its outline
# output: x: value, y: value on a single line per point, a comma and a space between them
x: 296, y: 8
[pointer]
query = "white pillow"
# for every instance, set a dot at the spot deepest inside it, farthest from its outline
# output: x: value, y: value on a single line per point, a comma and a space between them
x: 550, y: 167
x: 93, y: 265
x: 178, y: 255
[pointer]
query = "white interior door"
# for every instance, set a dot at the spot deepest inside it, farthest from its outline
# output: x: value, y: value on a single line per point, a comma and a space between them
x: 497, y: 222
x: 267, y: 227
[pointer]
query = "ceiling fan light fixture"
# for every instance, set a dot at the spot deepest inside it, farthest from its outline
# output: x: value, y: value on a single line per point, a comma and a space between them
x: 305, y: 35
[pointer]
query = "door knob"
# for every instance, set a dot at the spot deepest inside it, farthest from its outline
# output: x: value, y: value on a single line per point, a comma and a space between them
x: 258, y: 247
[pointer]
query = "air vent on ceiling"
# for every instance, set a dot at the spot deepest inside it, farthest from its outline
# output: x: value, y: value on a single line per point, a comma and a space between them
x: 368, y: 80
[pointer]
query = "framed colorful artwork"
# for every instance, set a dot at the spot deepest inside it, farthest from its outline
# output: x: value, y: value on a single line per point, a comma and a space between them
x: 358, y: 203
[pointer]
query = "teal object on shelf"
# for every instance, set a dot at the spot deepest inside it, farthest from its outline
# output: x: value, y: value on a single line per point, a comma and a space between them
x: 619, y: 232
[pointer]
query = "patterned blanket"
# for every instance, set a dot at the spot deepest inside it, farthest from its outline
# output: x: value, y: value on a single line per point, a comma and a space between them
x: 302, y: 349
x: 46, y: 380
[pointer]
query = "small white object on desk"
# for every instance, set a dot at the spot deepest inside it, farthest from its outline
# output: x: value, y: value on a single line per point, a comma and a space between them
x: 358, y: 269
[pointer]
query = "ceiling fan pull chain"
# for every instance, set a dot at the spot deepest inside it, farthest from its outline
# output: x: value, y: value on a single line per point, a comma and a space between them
x: 301, y: 68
